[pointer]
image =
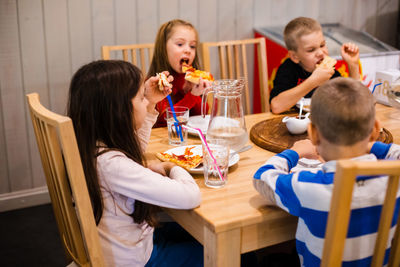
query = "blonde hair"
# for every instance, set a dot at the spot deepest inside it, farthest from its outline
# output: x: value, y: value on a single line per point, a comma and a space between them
x: 298, y: 27
x: 343, y: 111
x: 160, y: 57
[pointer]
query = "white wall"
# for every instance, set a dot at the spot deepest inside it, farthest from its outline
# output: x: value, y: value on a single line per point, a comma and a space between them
x: 43, y: 42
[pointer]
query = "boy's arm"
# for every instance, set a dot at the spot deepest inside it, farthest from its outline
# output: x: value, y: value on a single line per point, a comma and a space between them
x: 350, y: 54
x: 287, y: 99
x: 274, y: 181
x: 385, y: 151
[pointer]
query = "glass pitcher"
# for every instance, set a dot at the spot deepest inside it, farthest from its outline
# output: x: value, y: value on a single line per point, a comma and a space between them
x: 227, y: 117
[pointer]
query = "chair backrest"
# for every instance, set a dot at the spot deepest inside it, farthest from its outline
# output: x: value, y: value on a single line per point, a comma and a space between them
x: 139, y: 55
x: 339, y: 214
x: 233, y: 64
x: 66, y: 182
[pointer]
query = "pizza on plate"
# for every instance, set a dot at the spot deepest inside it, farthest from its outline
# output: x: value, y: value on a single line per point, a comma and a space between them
x: 193, y: 75
x: 187, y: 160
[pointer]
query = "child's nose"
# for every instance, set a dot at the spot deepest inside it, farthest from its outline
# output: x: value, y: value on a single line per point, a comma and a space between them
x: 187, y: 49
x: 320, y: 52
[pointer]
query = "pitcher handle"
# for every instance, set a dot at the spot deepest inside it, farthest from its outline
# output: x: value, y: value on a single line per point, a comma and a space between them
x: 204, y: 101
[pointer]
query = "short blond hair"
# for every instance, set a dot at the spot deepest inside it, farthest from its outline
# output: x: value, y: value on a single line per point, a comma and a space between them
x: 343, y: 111
x: 298, y: 27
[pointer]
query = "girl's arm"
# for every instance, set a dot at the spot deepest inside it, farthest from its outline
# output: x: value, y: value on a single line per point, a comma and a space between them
x: 153, y: 95
x: 124, y: 176
x: 144, y: 132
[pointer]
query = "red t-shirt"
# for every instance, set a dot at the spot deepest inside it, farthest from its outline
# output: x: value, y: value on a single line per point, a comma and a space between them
x: 179, y: 98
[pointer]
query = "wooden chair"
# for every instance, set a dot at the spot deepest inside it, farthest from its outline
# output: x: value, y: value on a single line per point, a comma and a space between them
x: 67, y: 185
x: 233, y: 60
x: 135, y: 53
x: 339, y: 215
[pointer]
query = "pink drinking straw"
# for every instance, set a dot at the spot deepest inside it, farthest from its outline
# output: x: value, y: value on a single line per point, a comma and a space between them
x: 203, y: 139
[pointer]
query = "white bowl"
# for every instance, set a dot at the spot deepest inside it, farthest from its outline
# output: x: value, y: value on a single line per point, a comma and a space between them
x: 297, y: 125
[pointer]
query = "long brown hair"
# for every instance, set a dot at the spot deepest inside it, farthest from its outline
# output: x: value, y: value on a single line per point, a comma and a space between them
x: 160, y: 61
x: 101, y: 110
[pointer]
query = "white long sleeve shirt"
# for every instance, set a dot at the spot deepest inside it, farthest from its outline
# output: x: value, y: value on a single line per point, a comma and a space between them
x: 123, y: 181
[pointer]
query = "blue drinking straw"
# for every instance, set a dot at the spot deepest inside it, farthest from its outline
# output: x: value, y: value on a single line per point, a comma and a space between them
x: 176, y: 123
x: 375, y: 87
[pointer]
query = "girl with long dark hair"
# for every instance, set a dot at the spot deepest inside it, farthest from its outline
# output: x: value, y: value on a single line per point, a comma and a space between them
x: 113, y: 111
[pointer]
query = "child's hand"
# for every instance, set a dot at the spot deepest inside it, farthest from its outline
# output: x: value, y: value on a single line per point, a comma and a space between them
x: 321, y: 75
x: 350, y: 53
x: 305, y: 149
x: 198, y: 89
x: 152, y: 91
x: 162, y: 168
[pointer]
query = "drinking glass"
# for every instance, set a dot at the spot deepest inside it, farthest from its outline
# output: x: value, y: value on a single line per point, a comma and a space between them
x: 182, y: 115
x: 220, y: 151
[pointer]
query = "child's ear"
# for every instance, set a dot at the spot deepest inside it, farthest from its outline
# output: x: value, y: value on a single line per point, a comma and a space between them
x: 376, y: 130
x: 313, y: 134
x: 293, y: 56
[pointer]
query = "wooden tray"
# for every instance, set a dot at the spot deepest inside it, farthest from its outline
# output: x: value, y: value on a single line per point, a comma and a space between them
x: 273, y: 135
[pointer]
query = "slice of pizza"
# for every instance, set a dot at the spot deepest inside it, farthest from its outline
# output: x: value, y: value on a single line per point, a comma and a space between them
x: 327, y: 62
x: 187, y: 160
x: 192, y: 75
x: 187, y: 67
x: 163, y: 81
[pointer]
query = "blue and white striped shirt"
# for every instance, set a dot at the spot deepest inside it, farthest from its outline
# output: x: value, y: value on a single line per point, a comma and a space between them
x: 307, y: 195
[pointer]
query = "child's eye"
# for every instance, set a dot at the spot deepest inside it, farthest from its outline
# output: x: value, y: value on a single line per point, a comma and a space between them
x: 193, y: 47
x: 179, y: 44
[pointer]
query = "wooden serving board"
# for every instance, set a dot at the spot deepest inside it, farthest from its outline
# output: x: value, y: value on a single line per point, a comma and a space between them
x: 272, y: 135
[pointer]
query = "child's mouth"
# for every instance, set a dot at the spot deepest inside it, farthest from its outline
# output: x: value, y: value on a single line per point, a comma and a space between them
x: 184, y: 61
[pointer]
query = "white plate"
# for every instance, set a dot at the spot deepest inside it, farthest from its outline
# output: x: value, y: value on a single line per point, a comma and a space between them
x: 306, y: 104
x: 197, y: 150
x: 198, y: 122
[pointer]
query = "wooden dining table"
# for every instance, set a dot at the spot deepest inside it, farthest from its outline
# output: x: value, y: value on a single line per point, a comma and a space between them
x: 235, y: 219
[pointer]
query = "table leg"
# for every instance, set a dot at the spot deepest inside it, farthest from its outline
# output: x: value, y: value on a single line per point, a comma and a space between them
x: 222, y: 249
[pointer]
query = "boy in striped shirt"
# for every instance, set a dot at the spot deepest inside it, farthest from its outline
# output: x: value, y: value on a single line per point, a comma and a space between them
x: 343, y: 127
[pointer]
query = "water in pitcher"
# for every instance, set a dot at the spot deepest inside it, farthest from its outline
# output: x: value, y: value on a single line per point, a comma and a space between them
x: 236, y: 137
x: 227, y: 118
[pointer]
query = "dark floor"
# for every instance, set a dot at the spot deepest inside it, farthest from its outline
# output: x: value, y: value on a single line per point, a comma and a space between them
x: 29, y: 237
